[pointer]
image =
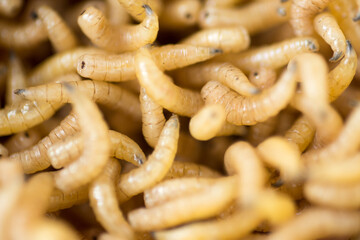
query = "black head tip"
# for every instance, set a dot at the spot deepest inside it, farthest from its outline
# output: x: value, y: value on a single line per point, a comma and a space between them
x: 216, y: 51
x: 278, y: 183
x: 336, y: 56
x: 34, y: 15
x: 349, y: 47
x: 19, y: 91
x: 82, y: 12
x: 357, y: 17
x: 82, y: 64
x: 148, y: 9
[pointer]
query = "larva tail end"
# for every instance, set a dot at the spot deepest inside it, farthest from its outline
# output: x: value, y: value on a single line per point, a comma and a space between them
x: 336, y: 56
x: 34, y: 15
x: 148, y: 9
x: 19, y: 92
x: 312, y: 46
x: 281, y: 11
x: 349, y: 47
x: 139, y: 159
x: 216, y: 51
x: 357, y: 17
x: 278, y: 183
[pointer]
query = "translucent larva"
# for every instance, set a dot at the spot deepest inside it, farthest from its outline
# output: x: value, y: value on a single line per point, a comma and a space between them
x: 153, y: 119
x: 302, y: 13
x: 96, y: 145
x: 251, y: 110
x: 101, y: 92
x: 103, y: 201
x: 58, y: 64
x: 255, y: 17
x: 121, y: 67
x: 35, y: 158
x: 60, y: 35
x: 95, y: 26
x: 326, y: 26
x: 187, y: 208
x: 171, y: 97
x: 180, y: 14
x: 228, y: 39
x: 273, y: 56
x: 157, y: 166
x: 122, y: 147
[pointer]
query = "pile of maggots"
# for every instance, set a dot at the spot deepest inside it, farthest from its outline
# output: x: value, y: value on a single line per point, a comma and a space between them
x: 180, y: 119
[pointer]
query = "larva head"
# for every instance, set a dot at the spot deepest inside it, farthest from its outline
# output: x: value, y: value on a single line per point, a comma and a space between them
x: 187, y: 11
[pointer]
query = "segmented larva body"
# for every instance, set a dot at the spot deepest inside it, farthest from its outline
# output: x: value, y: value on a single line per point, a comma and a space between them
x: 161, y: 89
x: 341, y: 76
x: 22, y: 36
x: 121, y: 67
x: 136, y: 10
x: 59, y: 64
x: 122, y: 147
x: 212, y: 116
x: 157, y: 166
x: 103, y: 201
x: 174, y: 188
x: 241, y: 159
x: 285, y: 156
x: 301, y: 133
x: 315, y: 223
x: 62, y: 200
x: 60, y: 35
x: 302, y: 13
x: 225, y: 73
x: 228, y: 39
x: 255, y: 17
x: 96, y: 145
x: 153, y: 119
x: 273, y: 56
x: 95, y: 26
x: 35, y: 158
x: 186, y: 208
x: 101, y: 92
x: 24, y: 115
x: 10, y: 8
x: 16, y: 79
x: 189, y: 169
x: 22, y: 140
x: 180, y: 14
x: 251, y: 110
x: 326, y: 26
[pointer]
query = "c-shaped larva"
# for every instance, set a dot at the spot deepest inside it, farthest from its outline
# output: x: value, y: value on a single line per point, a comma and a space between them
x: 60, y: 35
x: 175, y: 188
x: 228, y: 39
x: 136, y: 10
x: 157, y: 166
x: 121, y: 67
x: 225, y: 73
x: 96, y: 145
x: 105, y: 93
x: 9, y: 8
x: 22, y: 36
x: 326, y: 26
x: 121, y: 147
x: 59, y: 64
x: 283, y: 155
x: 346, y: 144
x: 24, y: 115
x: 95, y: 26
x: 302, y: 13
x: 103, y: 201
x: 251, y: 110
x: 153, y: 119
x: 301, y: 133
x: 242, y: 159
x: 15, y: 79
x: 255, y: 17
x: 161, y: 89
x: 316, y: 223
x: 235, y: 226
x: 35, y: 158
x: 180, y: 14
x: 339, y: 196
x: 273, y: 56
x: 186, y: 208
